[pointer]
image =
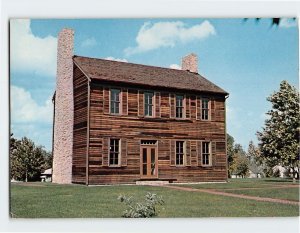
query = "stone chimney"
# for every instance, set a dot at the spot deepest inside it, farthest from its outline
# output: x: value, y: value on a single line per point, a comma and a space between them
x: 63, y: 110
x: 190, y: 63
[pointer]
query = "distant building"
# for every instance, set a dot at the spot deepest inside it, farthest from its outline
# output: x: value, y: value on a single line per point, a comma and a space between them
x: 46, y: 176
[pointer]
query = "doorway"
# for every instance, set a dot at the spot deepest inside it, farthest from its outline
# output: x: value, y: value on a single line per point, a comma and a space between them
x: 149, y: 168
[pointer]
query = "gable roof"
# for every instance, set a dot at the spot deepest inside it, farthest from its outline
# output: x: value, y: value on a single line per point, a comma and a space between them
x: 130, y: 73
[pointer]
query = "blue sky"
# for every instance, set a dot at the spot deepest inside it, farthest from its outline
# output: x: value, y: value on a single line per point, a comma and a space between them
x: 247, y: 59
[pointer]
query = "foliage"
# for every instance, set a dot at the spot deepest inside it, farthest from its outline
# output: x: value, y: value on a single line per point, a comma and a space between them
x: 241, y: 165
x: 230, y: 153
x: 256, y: 162
x: 279, y: 139
x: 274, y: 21
x: 27, y: 160
x: 141, y: 210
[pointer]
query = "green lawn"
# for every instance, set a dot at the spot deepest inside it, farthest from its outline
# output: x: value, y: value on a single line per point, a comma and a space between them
x: 46, y: 200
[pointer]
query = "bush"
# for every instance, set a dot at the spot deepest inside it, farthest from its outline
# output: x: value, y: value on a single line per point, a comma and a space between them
x: 141, y: 210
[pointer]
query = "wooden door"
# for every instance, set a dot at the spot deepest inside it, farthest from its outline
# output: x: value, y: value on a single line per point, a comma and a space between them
x: 149, y: 167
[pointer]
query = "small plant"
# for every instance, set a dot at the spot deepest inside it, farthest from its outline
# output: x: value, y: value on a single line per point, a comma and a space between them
x: 147, y: 209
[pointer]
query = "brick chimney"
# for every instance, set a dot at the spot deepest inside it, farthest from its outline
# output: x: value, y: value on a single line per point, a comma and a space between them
x: 63, y: 110
x: 190, y: 63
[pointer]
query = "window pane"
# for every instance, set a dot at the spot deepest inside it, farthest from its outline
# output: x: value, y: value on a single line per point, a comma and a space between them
x: 179, y: 153
x: 144, y: 155
x: 148, y: 103
x: 114, y: 152
x: 152, y: 161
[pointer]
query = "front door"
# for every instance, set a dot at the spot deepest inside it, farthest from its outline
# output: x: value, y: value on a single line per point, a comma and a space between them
x: 149, y: 161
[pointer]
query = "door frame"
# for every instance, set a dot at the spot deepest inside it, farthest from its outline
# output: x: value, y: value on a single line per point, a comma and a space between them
x: 155, y: 146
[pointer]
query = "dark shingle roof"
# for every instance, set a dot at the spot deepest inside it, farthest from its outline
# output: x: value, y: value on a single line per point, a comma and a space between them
x: 130, y: 73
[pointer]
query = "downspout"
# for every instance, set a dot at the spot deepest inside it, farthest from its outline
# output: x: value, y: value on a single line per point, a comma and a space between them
x: 226, y: 138
x: 88, y: 135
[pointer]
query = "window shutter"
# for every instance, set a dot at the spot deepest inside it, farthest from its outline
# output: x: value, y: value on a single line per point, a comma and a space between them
x: 124, y: 102
x: 172, y: 105
x: 157, y: 104
x: 123, y: 152
x: 106, y: 99
x: 105, y: 152
x: 172, y: 153
x: 187, y: 107
x: 188, y: 153
x: 198, y: 108
x: 199, y: 153
x: 213, y: 153
x: 212, y: 109
x: 194, y: 156
x: 141, y: 103
x: 193, y: 107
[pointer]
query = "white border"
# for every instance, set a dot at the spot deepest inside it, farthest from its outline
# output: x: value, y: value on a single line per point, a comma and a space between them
x: 127, y: 9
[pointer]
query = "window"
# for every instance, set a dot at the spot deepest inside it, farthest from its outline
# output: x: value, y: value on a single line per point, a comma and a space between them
x: 114, y: 152
x: 179, y: 152
x: 205, y: 109
x: 115, y: 101
x: 206, y: 153
x: 148, y: 103
x: 179, y: 106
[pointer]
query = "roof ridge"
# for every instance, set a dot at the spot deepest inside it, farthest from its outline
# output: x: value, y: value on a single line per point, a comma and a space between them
x: 130, y: 63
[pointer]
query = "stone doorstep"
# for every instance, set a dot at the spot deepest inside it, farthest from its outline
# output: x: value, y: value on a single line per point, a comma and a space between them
x: 152, y: 182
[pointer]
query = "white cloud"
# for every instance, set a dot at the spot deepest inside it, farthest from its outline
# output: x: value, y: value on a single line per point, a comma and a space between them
x: 116, y: 59
x: 88, y: 43
x: 175, y: 66
x: 287, y: 23
x: 30, y: 53
x: 167, y: 34
x: 25, y: 110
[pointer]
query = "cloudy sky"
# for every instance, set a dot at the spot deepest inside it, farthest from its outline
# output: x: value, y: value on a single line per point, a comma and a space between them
x: 247, y: 59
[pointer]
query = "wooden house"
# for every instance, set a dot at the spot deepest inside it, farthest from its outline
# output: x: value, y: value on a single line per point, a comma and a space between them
x: 131, y: 122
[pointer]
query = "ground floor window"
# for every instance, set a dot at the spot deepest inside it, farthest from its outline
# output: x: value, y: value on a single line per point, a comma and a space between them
x: 114, y: 152
x: 206, y: 158
x: 179, y: 152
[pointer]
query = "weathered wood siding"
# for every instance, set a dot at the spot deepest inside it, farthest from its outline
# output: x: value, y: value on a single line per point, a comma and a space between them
x: 132, y: 127
x: 80, y: 84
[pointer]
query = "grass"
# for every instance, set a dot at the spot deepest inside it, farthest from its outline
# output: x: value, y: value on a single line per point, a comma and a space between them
x: 46, y: 200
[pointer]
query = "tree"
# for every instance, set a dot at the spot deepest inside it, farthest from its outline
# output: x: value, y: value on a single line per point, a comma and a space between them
x: 279, y: 139
x: 26, y: 160
x: 274, y: 21
x: 230, y: 153
x: 256, y: 162
x: 240, y: 164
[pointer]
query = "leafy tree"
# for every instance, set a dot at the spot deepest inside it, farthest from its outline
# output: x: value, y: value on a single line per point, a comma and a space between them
x: 256, y: 162
x: 240, y: 165
x: 26, y: 160
x: 230, y: 153
x: 279, y: 139
x: 274, y: 21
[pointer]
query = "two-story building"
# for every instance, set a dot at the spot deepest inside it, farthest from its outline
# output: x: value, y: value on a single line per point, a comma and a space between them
x: 118, y: 122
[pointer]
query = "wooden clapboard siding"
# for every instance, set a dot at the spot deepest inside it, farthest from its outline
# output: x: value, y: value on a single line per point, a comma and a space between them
x: 132, y: 127
x: 80, y: 85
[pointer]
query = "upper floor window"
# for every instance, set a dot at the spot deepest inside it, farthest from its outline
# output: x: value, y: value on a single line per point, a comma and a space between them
x: 115, y: 101
x: 114, y: 152
x: 179, y: 106
x: 180, y: 152
x: 148, y: 103
x: 206, y: 157
x: 205, y: 109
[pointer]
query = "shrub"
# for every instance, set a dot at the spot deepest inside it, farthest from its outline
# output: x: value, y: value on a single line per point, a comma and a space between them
x: 147, y: 209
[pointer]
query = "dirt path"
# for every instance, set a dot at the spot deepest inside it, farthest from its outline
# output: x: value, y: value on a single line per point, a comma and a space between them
x: 212, y: 191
